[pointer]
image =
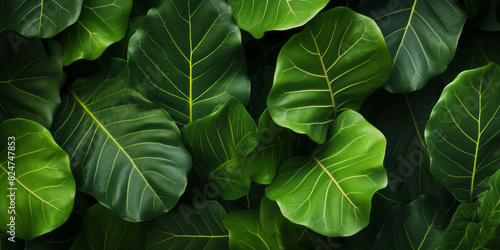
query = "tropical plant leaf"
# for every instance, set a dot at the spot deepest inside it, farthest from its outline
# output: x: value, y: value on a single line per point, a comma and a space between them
x: 103, y: 229
x: 189, y: 58
x: 124, y: 150
x: 484, y: 14
x: 463, y: 135
x: 101, y: 23
x: 30, y: 79
x: 39, y: 173
x: 418, y: 225
x: 456, y: 235
x: 259, y: 16
x: 41, y: 18
x: 275, y: 145
x: 189, y: 228
x: 333, y: 65
x: 246, y: 232
x: 330, y: 191
x: 422, y: 37
x: 219, y: 144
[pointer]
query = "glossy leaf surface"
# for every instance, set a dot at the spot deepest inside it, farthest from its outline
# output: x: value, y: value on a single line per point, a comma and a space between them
x: 124, y: 150
x: 330, y: 191
x: 333, y: 65
x: 44, y: 188
x: 188, y: 56
x: 246, y: 232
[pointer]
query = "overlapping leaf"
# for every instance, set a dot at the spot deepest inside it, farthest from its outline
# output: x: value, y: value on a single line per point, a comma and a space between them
x: 463, y: 132
x: 330, y: 191
x: 219, y: 144
x: 30, y: 79
x: 188, y: 56
x: 41, y: 18
x: 259, y: 16
x: 333, y: 65
x: 422, y: 37
x: 43, y: 186
x: 101, y: 23
x: 103, y: 229
x: 189, y: 228
x: 124, y: 150
x: 246, y: 232
x: 484, y: 14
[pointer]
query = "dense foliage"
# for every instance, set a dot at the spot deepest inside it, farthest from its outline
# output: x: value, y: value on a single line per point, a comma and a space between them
x: 282, y: 124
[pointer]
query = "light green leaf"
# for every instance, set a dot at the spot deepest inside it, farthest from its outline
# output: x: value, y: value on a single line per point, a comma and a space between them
x: 259, y: 16
x: 422, y: 37
x: 188, y: 56
x: 103, y: 229
x: 124, y: 150
x: 463, y: 135
x: 30, y: 79
x: 189, y: 228
x: 330, y: 191
x: 246, y: 232
x: 333, y: 65
x: 101, y: 23
x: 38, y: 170
x: 219, y: 144
x: 41, y: 18
x: 275, y: 145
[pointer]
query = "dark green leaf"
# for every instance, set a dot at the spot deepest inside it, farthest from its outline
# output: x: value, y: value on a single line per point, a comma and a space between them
x: 484, y: 14
x: 246, y: 232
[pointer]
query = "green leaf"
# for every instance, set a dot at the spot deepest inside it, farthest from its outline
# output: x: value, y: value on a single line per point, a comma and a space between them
x: 259, y: 16
x: 103, y: 229
x: 246, y: 232
x: 484, y: 14
x: 101, y: 23
x: 39, y: 171
x: 330, y: 191
x: 189, y: 228
x: 219, y: 144
x: 30, y: 79
x: 463, y: 135
x: 422, y: 37
x: 457, y: 236
x: 333, y: 65
x: 188, y: 56
x: 41, y: 18
x: 418, y: 225
x: 275, y: 145
x: 124, y: 150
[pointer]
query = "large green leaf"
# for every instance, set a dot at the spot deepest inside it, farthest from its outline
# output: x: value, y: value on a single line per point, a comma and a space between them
x: 246, y: 232
x: 103, y: 229
x: 124, y: 150
x: 189, y: 228
x: 259, y: 16
x: 463, y: 132
x: 333, y: 65
x: 38, y: 171
x: 275, y: 145
x: 422, y: 37
x: 41, y: 18
x: 467, y: 230
x: 484, y: 14
x: 219, y: 144
x: 330, y: 191
x: 188, y: 56
x: 101, y: 23
x: 30, y: 79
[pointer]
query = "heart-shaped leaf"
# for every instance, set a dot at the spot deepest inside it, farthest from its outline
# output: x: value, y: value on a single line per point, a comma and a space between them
x: 101, y: 23
x: 330, y: 191
x: 333, y: 65
x: 36, y: 184
x: 188, y: 56
x: 41, y: 18
x: 422, y: 37
x: 246, y: 232
x: 259, y: 16
x: 219, y: 144
x: 189, y: 228
x: 463, y: 132
x: 124, y: 150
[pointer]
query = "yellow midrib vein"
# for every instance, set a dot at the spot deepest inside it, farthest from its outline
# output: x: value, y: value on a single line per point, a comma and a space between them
x: 404, y: 34
x: 190, y: 67
x: 112, y: 138
x: 471, y: 195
